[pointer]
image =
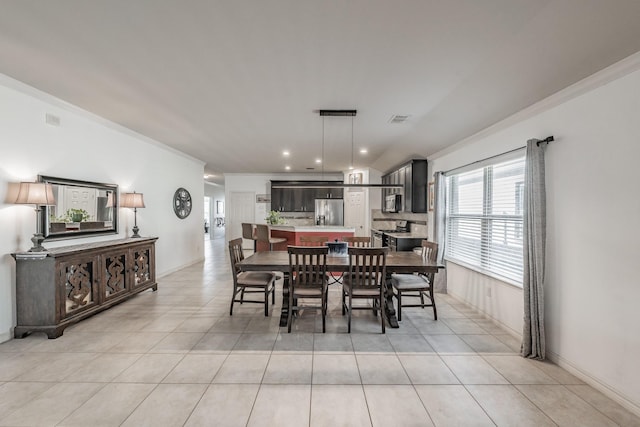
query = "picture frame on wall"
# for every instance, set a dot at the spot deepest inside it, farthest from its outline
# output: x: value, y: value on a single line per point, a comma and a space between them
x: 219, y: 207
x: 263, y: 198
x: 355, y: 178
x: 431, y: 197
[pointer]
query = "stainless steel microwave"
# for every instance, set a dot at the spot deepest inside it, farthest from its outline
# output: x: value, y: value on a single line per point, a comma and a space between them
x: 393, y: 203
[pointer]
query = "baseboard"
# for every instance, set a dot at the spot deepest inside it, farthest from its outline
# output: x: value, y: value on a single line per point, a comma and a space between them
x: 173, y: 270
x: 594, y: 382
x: 6, y: 336
x: 487, y: 316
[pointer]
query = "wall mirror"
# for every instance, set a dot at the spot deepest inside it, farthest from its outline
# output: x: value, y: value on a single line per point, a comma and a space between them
x: 82, y: 209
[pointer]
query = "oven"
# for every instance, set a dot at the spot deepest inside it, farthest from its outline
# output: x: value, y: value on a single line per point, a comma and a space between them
x: 393, y: 244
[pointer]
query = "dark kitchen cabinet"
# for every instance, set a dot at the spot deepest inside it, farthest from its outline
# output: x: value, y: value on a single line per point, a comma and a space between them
x: 412, y: 176
x: 301, y: 199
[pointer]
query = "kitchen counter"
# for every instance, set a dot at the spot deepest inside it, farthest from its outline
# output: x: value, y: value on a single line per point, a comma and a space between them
x: 411, y: 235
x: 313, y: 228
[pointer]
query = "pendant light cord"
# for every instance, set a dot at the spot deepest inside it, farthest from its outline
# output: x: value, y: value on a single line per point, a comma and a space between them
x: 352, y: 165
x: 323, y: 148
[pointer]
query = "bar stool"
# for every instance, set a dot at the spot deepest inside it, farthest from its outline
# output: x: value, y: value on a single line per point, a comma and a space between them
x: 263, y: 234
x: 249, y: 233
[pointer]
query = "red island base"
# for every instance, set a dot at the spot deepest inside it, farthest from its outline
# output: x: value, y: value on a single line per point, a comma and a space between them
x: 293, y: 236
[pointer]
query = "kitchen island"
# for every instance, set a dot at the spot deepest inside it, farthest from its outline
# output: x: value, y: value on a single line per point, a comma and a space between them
x: 293, y: 233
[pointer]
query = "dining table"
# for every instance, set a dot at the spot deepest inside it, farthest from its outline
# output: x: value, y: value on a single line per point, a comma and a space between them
x: 396, y: 262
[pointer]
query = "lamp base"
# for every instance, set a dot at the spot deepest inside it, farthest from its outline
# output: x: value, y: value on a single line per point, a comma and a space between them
x: 135, y: 231
x: 37, y: 240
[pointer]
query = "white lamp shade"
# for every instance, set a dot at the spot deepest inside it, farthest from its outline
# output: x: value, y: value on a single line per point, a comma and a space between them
x: 131, y: 200
x: 35, y: 193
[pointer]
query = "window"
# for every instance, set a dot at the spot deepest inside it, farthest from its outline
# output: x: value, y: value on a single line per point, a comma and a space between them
x: 484, y: 219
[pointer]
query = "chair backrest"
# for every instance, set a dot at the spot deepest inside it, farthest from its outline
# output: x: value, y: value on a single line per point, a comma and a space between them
x: 247, y: 231
x: 358, y: 242
x: 263, y: 233
x: 313, y: 240
x: 308, y: 266
x: 367, y: 266
x: 430, y: 250
x: 235, y: 255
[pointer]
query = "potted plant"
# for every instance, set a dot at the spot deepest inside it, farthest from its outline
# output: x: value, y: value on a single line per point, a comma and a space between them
x: 76, y: 215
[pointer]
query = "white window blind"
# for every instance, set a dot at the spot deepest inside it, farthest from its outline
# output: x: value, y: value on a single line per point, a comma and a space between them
x: 484, y: 219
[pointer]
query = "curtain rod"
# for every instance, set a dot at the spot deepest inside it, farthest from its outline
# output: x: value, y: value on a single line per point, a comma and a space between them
x: 547, y: 140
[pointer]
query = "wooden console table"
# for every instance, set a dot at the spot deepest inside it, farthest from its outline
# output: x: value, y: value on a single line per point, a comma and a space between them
x: 64, y: 285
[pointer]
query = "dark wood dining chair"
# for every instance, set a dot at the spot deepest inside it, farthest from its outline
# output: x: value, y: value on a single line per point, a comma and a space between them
x: 365, y: 279
x: 307, y: 279
x: 357, y: 241
x: 249, y: 281
x: 417, y: 285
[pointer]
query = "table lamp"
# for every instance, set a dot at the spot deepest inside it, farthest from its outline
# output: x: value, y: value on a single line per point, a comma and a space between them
x: 38, y: 194
x: 133, y: 200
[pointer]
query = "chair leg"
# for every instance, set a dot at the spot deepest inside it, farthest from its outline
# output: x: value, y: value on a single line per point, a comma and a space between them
x: 233, y: 297
x: 422, y: 299
x: 433, y: 302
x: 350, y: 310
x: 266, y: 301
x: 324, y: 312
x: 344, y: 302
x: 399, y: 297
x: 273, y: 293
x: 290, y: 314
x: 381, y: 314
x: 242, y: 296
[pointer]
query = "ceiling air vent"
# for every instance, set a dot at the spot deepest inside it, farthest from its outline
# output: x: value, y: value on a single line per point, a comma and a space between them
x: 398, y: 118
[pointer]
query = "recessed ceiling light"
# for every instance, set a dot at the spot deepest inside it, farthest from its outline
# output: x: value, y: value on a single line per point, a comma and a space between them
x: 206, y: 176
x: 285, y: 153
x: 350, y: 168
x: 318, y: 160
x: 287, y: 168
x: 363, y: 151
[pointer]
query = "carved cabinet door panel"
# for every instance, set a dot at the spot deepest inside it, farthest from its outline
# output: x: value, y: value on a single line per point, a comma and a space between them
x: 115, y: 280
x: 142, y: 265
x: 77, y: 285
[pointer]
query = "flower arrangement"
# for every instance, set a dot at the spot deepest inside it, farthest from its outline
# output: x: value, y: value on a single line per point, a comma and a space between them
x: 274, y: 218
x: 74, y: 215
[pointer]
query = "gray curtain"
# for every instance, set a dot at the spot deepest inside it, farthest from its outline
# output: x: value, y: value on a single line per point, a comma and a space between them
x: 439, y: 226
x: 534, y: 237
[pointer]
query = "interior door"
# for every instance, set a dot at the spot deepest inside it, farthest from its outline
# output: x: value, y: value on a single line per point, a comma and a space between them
x: 355, y: 212
x: 81, y: 198
x: 241, y: 207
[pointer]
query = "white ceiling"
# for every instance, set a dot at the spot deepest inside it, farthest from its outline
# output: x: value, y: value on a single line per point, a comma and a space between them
x: 234, y: 83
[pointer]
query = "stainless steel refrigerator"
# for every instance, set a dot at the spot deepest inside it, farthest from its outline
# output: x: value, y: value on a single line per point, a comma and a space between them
x: 329, y: 212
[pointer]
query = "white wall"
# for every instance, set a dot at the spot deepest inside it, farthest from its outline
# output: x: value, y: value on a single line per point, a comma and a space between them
x: 86, y: 147
x: 592, y: 284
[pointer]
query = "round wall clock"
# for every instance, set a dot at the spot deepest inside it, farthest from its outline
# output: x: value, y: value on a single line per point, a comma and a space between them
x: 182, y: 203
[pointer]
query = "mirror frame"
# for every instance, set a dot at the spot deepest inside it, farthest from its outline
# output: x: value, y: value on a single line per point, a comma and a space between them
x: 45, y: 211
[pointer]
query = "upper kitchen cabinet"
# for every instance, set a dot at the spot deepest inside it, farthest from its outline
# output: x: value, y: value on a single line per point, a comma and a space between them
x: 412, y: 176
x: 294, y: 199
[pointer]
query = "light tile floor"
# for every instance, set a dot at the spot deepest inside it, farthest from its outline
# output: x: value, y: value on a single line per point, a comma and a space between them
x: 176, y: 358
